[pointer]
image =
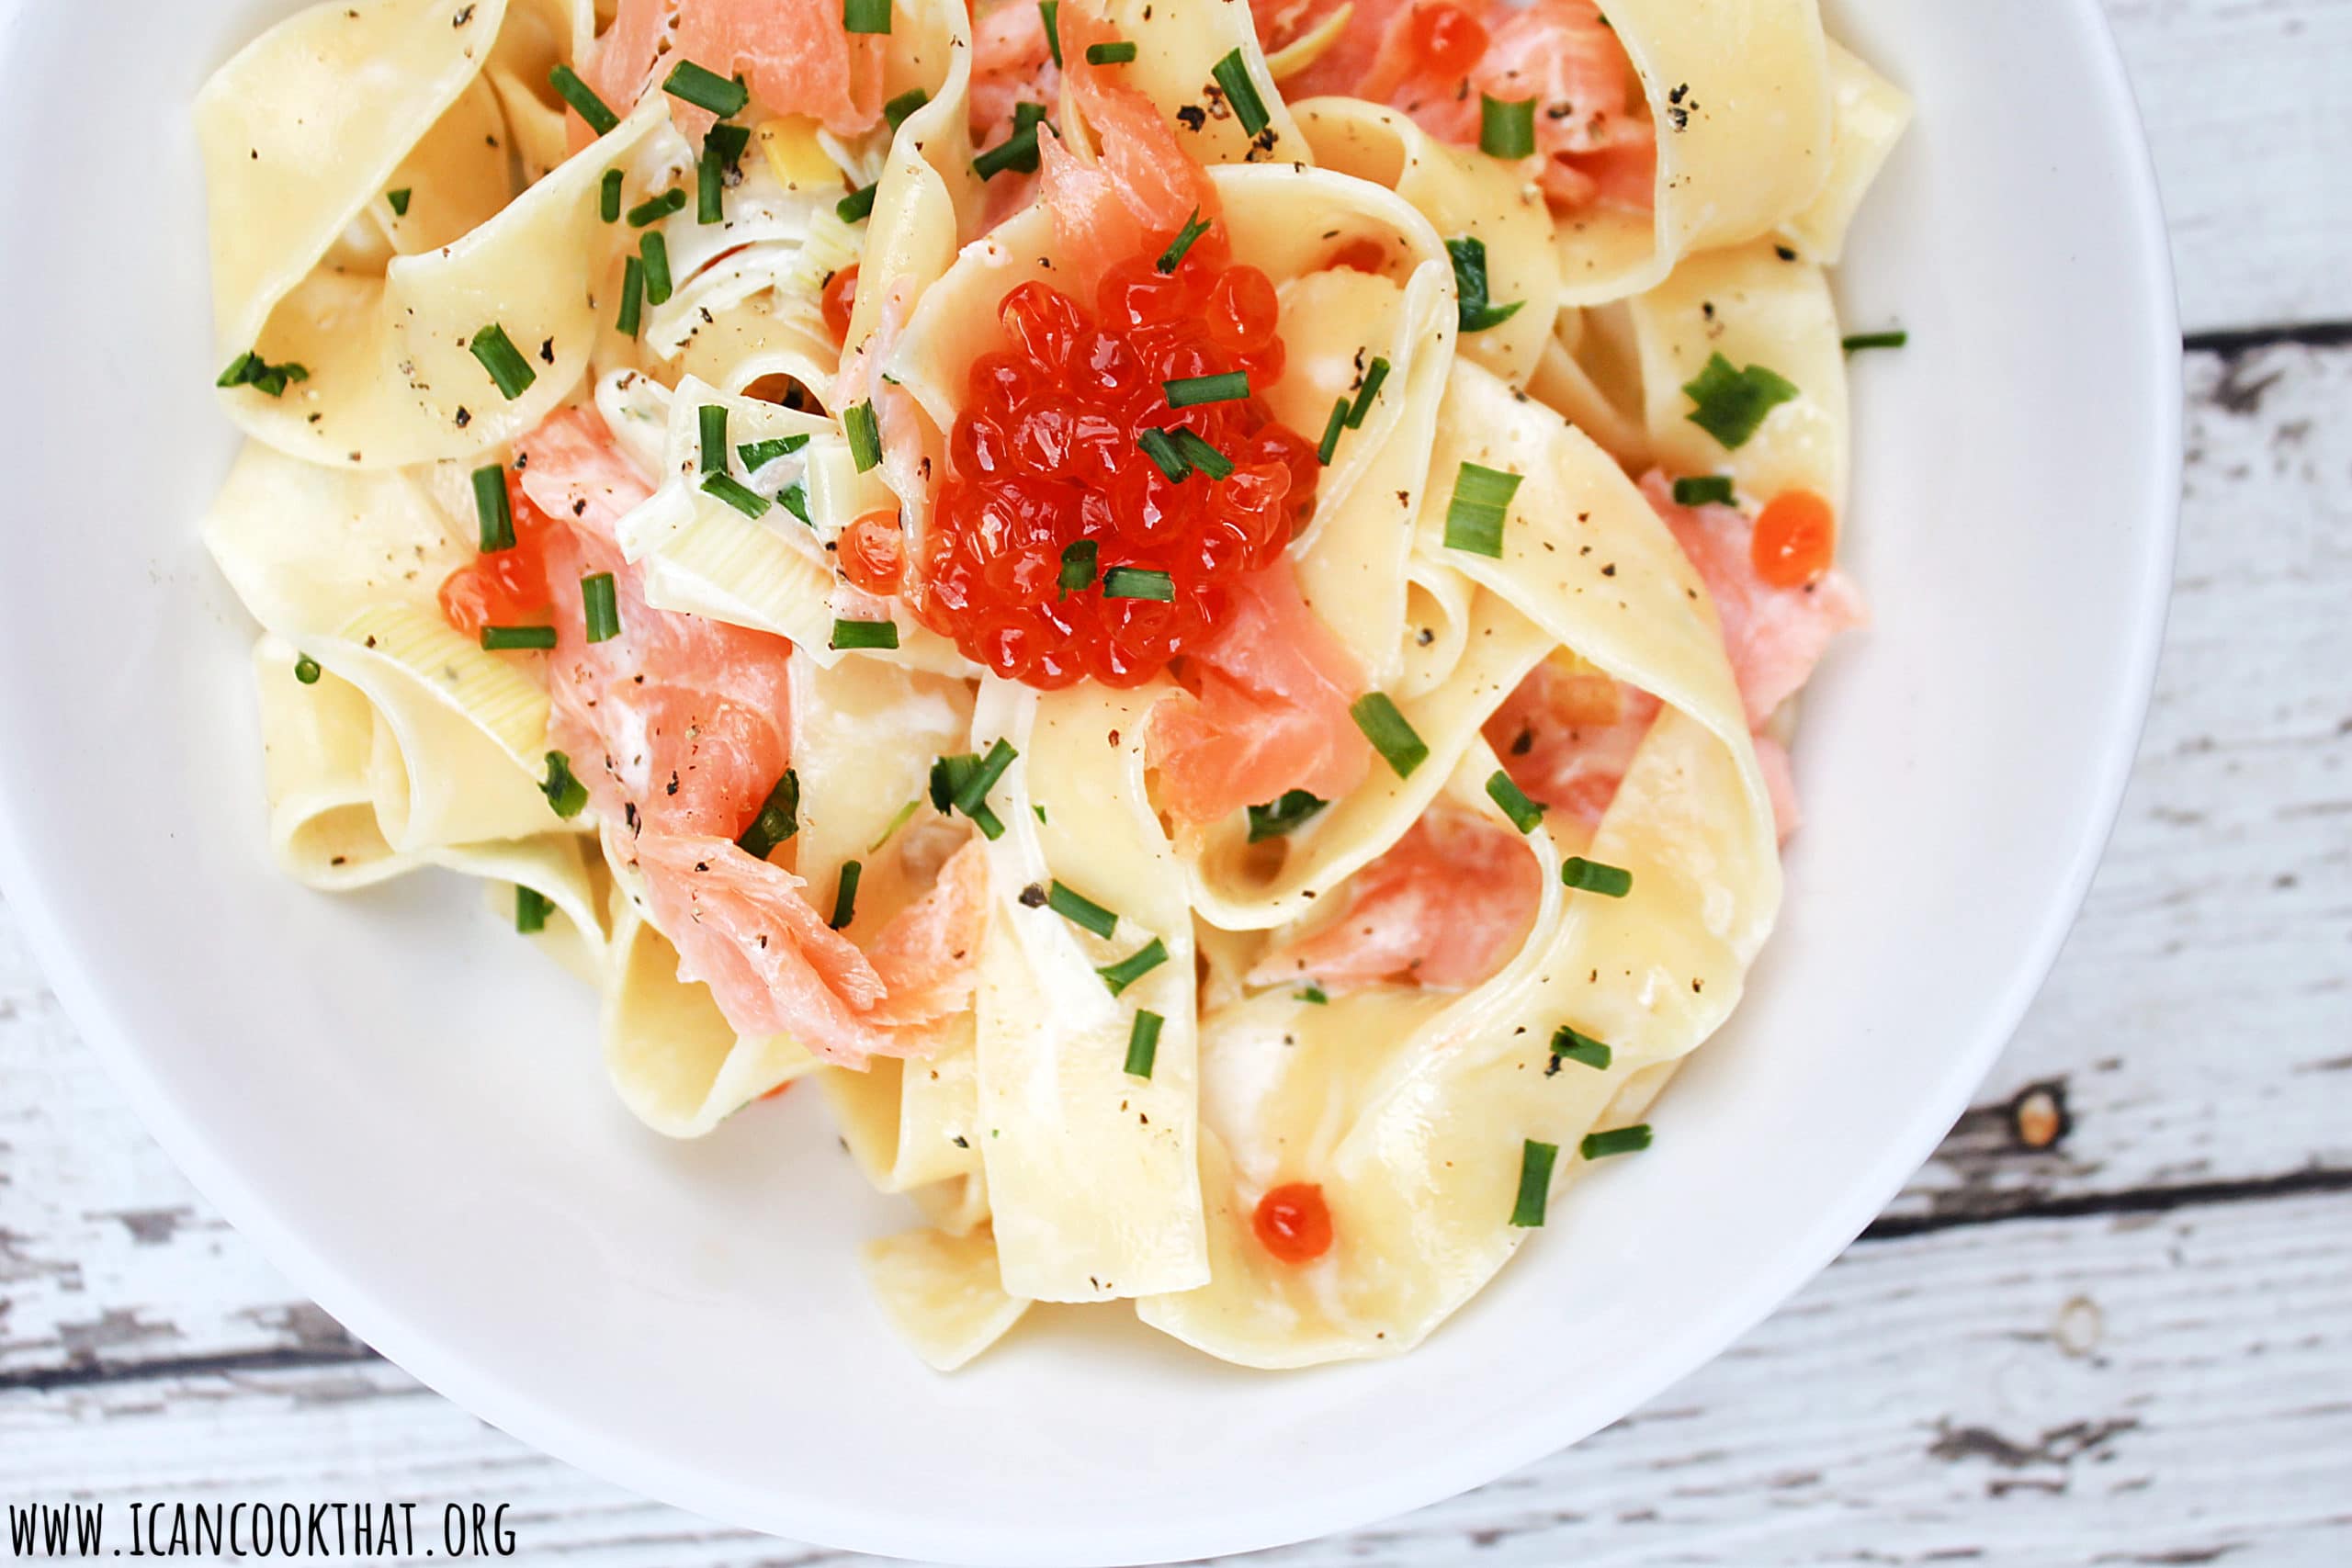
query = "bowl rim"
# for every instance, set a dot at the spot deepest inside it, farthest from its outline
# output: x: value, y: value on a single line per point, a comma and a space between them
x: 488, y: 1393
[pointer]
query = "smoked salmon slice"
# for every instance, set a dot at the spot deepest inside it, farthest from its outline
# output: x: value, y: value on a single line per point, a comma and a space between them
x: 796, y: 55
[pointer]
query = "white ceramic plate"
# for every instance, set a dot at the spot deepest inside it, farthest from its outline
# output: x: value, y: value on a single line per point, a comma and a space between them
x: 404, y: 1105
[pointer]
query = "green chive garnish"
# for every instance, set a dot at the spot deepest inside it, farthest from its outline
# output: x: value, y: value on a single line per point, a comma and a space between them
x: 1077, y: 564
x: 1080, y: 912
x: 710, y: 421
x: 582, y: 99
x: 608, y: 201
x: 1241, y: 92
x: 1730, y: 404
x: 655, y: 250
x: 1332, y: 428
x: 845, y: 895
x: 865, y: 435
x: 1594, y: 877
x: 601, y: 605
x: 709, y: 90
x: 728, y: 143
x: 1616, y: 1141
x: 949, y: 777
x: 492, y: 512
x: 1200, y: 454
x: 507, y: 368
x: 1313, y: 994
x: 654, y: 208
x: 858, y: 205
x: 1143, y: 1040
x: 1534, y: 1183
x: 399, y: 200
x: 735, y: 494
x: 306, y: 670
x: 1860, y: 341
x: 1018, y: 150
x: 1283, y: 816
x: 779, y: 818
x: 1190, y: 391
x: 897, y: 110
x: 1473, y: 312
x: 566, y: 796
x: 1525, y: 815
x: 1138, y: 582
x: 250, y: 369
x: 1389, y: 734
x: 1173, y: 256
x: 794, y: 498
x: 1160, y: 448
x: 1568, y: 1045
x: 1474, y: 518
x: 710, y: 187
x: 906, y: 813
x: 758, y: 455
x: 1375, y: 374
x: 1133, y: 966
x: 1706, y: 490
x: 864, y: 634
x: 1506, y: 127
x: 865, y: 16
x: 974, y: 795
x: 632, y: 298
x: 1110, y: 53
x: 531, y: 908
x: 506, y: 639
x: 1051, y: 11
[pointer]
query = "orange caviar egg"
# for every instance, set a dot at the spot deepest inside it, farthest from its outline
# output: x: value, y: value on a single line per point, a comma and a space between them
x: 873, y: 552
x: 1796, y: 539
x: 503, y: 588
x: 837, y: 299
x: 1447, y: 39
x: 1294, y: 1222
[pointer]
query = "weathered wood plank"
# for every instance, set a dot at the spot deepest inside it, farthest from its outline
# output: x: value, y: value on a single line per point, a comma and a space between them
x: 2092, y: 1391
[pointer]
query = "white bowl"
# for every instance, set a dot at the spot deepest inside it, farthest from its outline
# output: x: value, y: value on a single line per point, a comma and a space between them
x: 404, y: 1106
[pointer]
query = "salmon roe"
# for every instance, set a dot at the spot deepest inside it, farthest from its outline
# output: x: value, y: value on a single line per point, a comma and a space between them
x: 505, y: 588
x: 836, y: 301
x: 873, y: 552
x: 1447, y: 39
x: 1294, y: 1222
x: 1044, y: 456
x: 1796, y: 539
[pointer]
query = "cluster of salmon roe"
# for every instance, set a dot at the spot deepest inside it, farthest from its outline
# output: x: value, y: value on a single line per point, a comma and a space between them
x: 1046, y: 454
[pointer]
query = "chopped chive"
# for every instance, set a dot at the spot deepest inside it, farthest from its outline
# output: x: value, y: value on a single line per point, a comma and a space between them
x: 399, y: 200
x: 654, y: 208
x: 1568, y: 1045
x: 601, y: 606
x: 507, y: 639
x: 507, y: 368
x: 779, y: 818
x: 1080, y: 912
x: 845, y: 895
x: 1190, y: 391
x: 1390, y: 736
x: 1173, y: 256
x: 1616, y: 1141
x: 632, y: 315
x: 729, y: 141
x: 858, y: 205
x: 865, y: 16
x: 1051, y: 11
x: 1110, y: 53
x: 1135, y: 966
x: 865, y: 435
x: 567, y: 797
x: 1313, y: 994
x: 710, y: 187
x: 655, y: 250
x: 1706, y: 490
x: 1375, y: 374
x: 1200, y: 454
x: 1505, y: 127
x: 608, y: 202
x: 1143, y: 1039
x: 306, y: 670
x: 794, y: 498
x: 1284, y: 815
x: 250, y: 369
x: 1534, y: 1183
x: 493, y: 512
x: 1730, y: 404
x: 905, y: 815
x: 582, y: 99
x: 1240, y: 92
x: 1525, y: 815
x: 1018, y: 150
x: 1077, y: 564
x: 1473, y: 312
x: 991, y: 768
x: 1474, y: 518
x: 948, y: 777
x: 1040, y: 811
x: 1161, y: 449
x: 531, y: 908
x: 1138, y: 582
x: 737, y: 494
x: 706, y: 89
x: 897, y: 110
x: 758, y: 455
x: 711, y: 421
x: 850, y: 634
x: 1860, y: 341
x: 1595, y: 876
x: 1332, y: 428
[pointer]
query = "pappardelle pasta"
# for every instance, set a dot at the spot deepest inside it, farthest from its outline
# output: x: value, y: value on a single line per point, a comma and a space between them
x: 1190, y: 608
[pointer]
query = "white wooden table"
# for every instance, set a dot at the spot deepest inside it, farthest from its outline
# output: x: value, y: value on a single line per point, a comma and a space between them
x: 2127, y: 1342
